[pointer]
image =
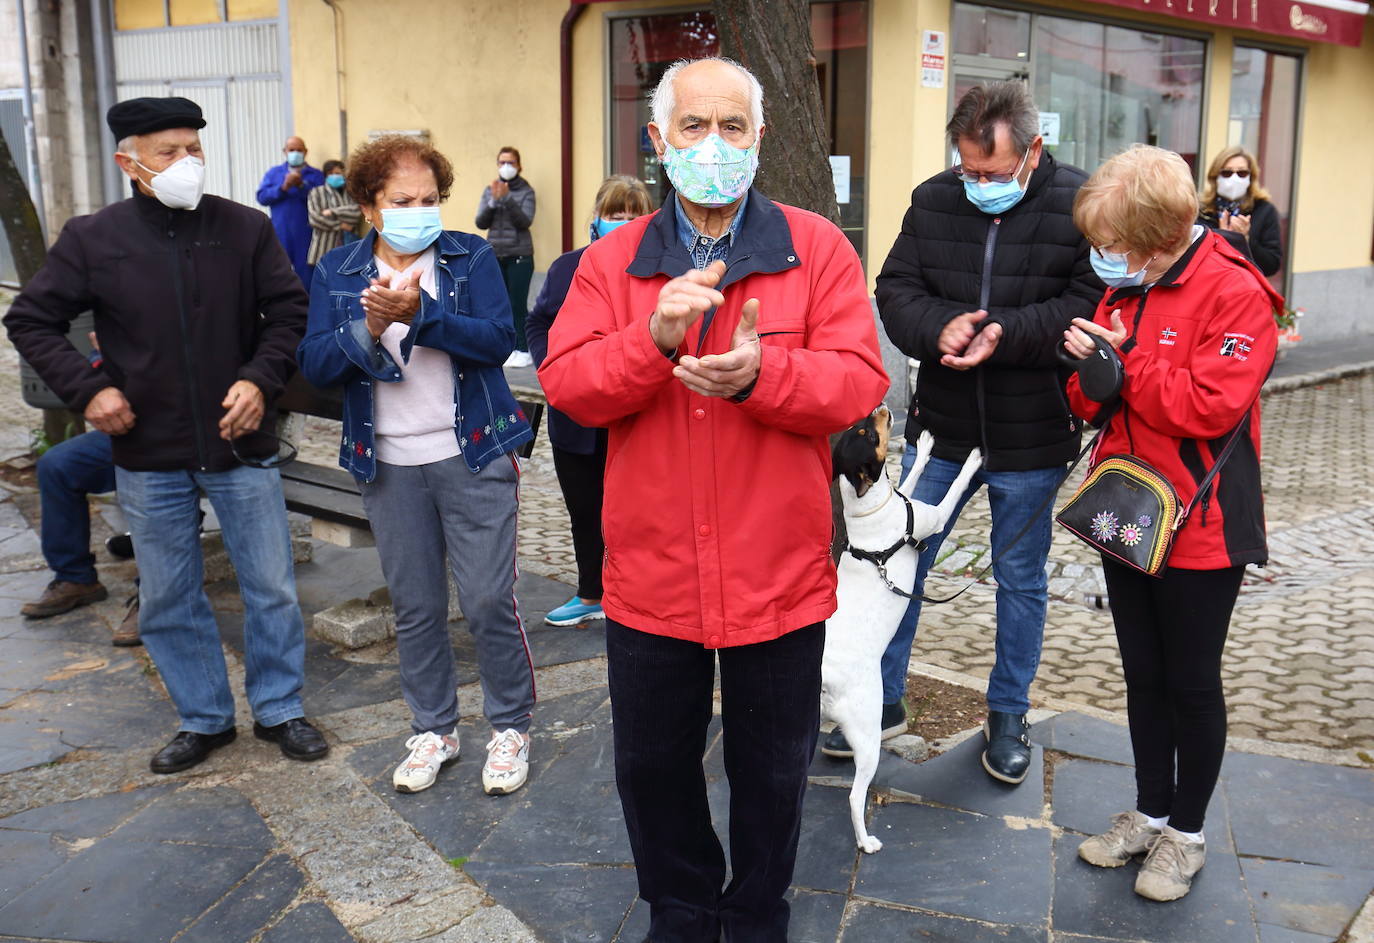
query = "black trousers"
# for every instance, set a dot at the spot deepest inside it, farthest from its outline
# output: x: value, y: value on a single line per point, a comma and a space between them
x: 770, y: 711
x: 1171, y: 632
x: 582, y: 478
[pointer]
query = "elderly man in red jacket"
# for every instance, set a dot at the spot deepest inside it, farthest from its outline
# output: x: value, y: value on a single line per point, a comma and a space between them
x: 720, y: 340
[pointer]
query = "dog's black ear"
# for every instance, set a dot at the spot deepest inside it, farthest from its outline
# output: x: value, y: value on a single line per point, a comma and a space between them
x: 855, y: 456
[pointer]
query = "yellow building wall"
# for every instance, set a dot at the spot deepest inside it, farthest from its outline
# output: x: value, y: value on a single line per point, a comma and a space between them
x: 476, y: 76
x: 1334, y: 211
x: 251, y: 9
x: 139, y: 14
x: 193, y: 12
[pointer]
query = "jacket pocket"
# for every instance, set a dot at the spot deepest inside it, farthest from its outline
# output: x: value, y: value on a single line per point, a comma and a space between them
x: 789, y: 335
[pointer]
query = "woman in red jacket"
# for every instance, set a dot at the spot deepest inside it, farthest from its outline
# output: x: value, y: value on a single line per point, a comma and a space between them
x: 1192, y: 321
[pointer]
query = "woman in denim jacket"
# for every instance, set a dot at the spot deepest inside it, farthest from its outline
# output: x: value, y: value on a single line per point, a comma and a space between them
x: 413, y: 321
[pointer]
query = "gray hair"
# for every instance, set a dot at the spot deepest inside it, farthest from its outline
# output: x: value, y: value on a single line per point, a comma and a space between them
x: 664, y: 100
x: 984, y: 107
x: 128, y: 146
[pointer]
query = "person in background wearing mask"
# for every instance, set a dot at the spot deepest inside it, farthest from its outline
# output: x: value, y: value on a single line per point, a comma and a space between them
x: 506, y: 211
x: 198, y: 313
x: 414, y: 324
x: 985, y: 275
x: 579, y: 453
x: 334, y: 218
x: 718, y: 388
x: 286, y: 189
x: 1234, y: 202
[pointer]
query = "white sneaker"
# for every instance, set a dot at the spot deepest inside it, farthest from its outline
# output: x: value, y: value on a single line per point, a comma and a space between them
x: 429, y: 752
x: 519, y: 358
x: 508, y: 762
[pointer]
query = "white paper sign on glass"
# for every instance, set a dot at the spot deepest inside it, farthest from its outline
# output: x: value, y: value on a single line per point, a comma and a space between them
x: 1049, y: 127
x: 839, y: 169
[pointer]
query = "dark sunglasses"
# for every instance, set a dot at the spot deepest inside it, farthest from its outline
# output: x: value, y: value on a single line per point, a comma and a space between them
x: 1242, y: 174
x: 285, y: 453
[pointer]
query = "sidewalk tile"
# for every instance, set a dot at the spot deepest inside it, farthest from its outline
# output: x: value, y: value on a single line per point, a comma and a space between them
x: 360, y: 685
x: 959, y: 864
x: 219, y: 816
x: 562, y: 902
x: 1088, y: 793
x: 816, y: 918
x: 827, y: 854
x: 875, y: 922
x: 1299, y: 811
x: 127, y: 892
x: 1305, y: 897
x: 311, y: 921
x: 26, y: 858
x: 957, y: 779
x: 249, y: 907
x: 86, y: 818
x: 1102, y: 902
x: 1081, y: 735
x: 1272, y: 934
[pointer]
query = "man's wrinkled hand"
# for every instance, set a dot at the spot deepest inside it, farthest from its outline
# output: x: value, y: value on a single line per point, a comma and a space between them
x: 978, y: 350
x: 110, y: 412
x: 732, y: 372
x: 245, y: 404
x: 959, y: 331
x: 682, y: 301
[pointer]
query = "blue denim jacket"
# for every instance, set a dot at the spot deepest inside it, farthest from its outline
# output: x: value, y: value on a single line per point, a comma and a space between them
x: 470, y: 320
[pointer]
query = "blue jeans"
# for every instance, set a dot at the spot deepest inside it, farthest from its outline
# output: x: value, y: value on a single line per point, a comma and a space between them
x: 1018, y: 499
x: 175, y: 620
x: 67, y: 473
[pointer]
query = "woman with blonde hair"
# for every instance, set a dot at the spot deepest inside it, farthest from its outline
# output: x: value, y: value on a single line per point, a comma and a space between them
x: 1191, y: 320
x: 579, y: 453
x: 1234, y: 201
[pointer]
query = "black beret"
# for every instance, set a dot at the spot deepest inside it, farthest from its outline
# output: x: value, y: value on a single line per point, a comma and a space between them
x: 146, y: 115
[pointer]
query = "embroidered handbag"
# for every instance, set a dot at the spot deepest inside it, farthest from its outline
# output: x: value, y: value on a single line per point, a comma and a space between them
x: 1129, y: 511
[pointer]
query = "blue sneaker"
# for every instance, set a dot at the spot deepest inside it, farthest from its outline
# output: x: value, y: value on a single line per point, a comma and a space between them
x: 573, y: 612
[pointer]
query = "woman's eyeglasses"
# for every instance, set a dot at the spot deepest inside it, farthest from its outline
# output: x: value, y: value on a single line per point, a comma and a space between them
x: 1242, y: 174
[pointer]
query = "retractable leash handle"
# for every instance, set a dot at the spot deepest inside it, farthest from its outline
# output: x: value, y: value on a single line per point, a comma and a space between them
x: 1101, y: 374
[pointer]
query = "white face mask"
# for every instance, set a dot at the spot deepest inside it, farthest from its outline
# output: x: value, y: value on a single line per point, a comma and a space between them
x: 1232, y: 187
x: 507, y: 171
x: 181, y: 185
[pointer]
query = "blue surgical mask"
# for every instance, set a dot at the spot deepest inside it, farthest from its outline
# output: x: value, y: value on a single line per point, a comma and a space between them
x: 411, y: 229
x: 1114, y: 269
x: 993, y: 198
x: 335, y: 180
x: 295, y: 158
x: 602, y: 227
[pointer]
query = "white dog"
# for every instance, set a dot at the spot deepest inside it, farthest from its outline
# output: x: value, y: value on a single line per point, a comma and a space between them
x: 869, y: 610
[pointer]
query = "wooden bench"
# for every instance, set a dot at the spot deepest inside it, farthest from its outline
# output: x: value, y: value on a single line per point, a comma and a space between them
x: 328, y: 494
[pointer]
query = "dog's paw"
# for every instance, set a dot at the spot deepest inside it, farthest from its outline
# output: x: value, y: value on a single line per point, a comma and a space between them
x: 869, y: 845
x: 925, y: 442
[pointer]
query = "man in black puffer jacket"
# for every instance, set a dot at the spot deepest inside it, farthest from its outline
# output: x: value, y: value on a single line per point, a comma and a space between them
x: 986, y: 274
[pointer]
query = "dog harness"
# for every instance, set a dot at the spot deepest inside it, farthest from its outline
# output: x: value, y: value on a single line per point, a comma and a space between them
x: 879, y: 558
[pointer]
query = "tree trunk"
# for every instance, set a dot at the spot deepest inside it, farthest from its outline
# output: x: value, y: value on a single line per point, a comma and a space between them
x: 772, y: 38
x: 19, y: 218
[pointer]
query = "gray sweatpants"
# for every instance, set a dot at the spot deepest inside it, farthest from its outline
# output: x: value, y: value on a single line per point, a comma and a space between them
x: 417, y: 513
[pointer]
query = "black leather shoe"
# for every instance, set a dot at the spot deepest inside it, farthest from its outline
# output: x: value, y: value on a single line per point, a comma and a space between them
x: 187, y: 749
x: 1008, y: 752
x: 296, y: 737
x: 894, y: 725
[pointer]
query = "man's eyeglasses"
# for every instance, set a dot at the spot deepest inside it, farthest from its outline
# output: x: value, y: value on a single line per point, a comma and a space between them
x: 958, y: 171
x: 1242, y: 174
x: 286, y: 452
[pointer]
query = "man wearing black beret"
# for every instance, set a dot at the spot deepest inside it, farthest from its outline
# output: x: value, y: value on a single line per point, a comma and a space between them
x: 198, y: 313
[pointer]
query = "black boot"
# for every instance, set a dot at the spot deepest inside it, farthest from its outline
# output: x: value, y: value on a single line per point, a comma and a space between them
x: 894, y: 725
x: 1008, y: 752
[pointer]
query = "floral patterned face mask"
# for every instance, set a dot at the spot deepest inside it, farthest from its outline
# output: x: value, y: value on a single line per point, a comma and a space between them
x: 711, y: 172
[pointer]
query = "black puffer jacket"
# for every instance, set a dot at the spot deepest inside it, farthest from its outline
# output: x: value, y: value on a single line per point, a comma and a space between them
x: 186, y: 302
x: 1029, y: 269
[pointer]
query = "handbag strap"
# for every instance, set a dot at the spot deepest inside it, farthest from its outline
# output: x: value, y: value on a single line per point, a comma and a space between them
x: 1216, y: 467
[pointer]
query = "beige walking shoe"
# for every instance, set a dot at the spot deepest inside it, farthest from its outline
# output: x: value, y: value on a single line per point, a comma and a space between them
x: 1129, y: 836
x: 429, y: 752
x: 1167, y: 873
x: 508, y: 762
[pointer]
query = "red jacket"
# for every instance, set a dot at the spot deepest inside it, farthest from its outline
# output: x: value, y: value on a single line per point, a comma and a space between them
x: 1195, y: 361
x: 717, y: 514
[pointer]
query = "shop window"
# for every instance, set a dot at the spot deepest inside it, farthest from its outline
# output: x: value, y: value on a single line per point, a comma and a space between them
x: 1100, y: 88
x: 642, y: 48
x: 1264, y: 120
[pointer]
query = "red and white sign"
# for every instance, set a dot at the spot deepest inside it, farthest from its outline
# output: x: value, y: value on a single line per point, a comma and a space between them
x: 932, y: 58
x: 1326, y: 21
